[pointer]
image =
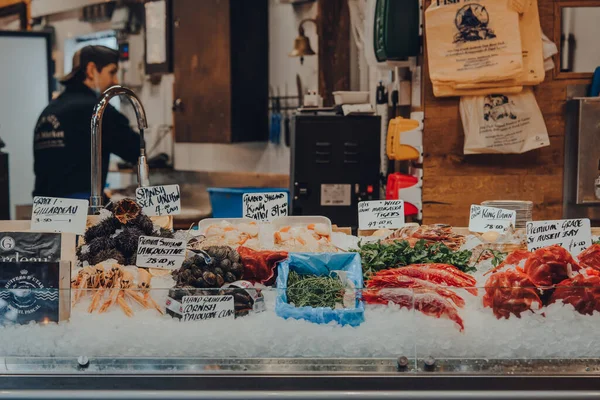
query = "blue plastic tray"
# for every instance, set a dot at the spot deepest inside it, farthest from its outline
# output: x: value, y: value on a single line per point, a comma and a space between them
x: 320, y: 264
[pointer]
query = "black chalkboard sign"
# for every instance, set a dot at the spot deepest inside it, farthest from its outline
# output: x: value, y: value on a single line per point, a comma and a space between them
x: 29, y: 291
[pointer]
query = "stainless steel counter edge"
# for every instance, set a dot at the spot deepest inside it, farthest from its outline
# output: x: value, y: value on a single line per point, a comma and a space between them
x: 295, y: 395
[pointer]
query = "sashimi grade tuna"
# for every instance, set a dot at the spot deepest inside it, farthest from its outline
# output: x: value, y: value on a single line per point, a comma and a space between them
x: 428, y: 303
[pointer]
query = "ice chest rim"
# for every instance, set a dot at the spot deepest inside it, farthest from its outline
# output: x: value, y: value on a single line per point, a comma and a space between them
x: 320, y: 315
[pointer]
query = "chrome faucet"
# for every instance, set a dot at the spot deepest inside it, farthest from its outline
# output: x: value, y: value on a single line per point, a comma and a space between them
x: 142, y: 167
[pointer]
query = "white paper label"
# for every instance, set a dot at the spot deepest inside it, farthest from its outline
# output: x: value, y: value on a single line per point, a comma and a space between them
x: 265, y: 206
x: 381, y: 214
x: 159, y: 200
x: 202, y: 308
x: 52, y: 214
x: 575, y: 235
x: 336, y: 195
x: 485, y: 219
x: 154, y: 252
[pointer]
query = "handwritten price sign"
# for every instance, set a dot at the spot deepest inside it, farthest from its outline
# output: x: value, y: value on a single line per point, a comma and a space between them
x: 159, y: 200
x: 163, y: 253
x: 265, y: 206
x: 381, y: 214
x: 53, y: 214
x: 575, y: 235
x: 485, y: 219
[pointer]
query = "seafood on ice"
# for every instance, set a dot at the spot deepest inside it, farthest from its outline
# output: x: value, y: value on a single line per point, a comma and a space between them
x: 307, y: 238
x: 429, y: 303
x: 423, y: 287
x: 545, y: 276
x: 441, y: 274
x: 230, y: 234
x: 113, y: 286
x: 511, y: 291
x: 429, y: 233
x: 590, y: 257
x: 582, y: 292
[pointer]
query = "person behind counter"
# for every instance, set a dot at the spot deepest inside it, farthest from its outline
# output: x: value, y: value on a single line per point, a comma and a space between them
x: 62, y: 142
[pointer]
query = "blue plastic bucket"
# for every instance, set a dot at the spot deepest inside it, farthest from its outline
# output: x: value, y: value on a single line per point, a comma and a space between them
x: 227, y: 202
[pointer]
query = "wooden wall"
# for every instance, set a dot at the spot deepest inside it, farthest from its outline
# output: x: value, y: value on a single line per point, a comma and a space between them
x: 453, y: 181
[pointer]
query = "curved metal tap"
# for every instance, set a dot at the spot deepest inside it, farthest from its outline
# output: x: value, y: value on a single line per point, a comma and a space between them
x: 142, y: 168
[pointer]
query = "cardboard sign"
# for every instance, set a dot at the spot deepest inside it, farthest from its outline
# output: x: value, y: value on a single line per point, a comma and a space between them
x: 159, y: 200
x: 381, y: 214
x: 265, y: 206
x: 53, y: 214
x: 202, y: 308
x: 154, y: 252
x: 575, y: 235
x: 485, y: 219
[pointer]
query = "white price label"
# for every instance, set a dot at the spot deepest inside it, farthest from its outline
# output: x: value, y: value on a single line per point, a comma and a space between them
x: 159, y: 200
x: 265, y: 206
x: 485, y: 219
x: 154, y: 252
x: 202, y: 308
x: 381, y: 214
x: 575, y: 235
x: 53, y: 214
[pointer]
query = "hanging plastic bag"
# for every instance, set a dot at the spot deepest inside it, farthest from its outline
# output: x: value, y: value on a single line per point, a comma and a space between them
x: 503, y: 123
x: 473, y: 42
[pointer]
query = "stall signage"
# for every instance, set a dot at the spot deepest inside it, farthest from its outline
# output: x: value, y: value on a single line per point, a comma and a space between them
x: 575, y: 235
x: 381, y: 214
x: 53, y: 214
x: 202, y: 308
x: 159, y: 200
x: 486, y: 219
x: 154, y: 252
x: 265, y: 206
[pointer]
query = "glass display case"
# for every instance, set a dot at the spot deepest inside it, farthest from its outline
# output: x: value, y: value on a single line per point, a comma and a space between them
x: 156, y: 343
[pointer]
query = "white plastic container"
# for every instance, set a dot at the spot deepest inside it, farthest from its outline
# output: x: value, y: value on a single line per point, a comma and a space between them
x: 351, y: 97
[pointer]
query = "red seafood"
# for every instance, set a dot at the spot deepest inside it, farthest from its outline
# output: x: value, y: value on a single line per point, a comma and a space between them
x: 550, y: 265
x: 430, y: 233
x: 438, y: 273
x: 510, y: 291
x: 418, y: 285
x: 513, y: 258
x: 590, y: 257
x: 581, y: 292
x: 260, y: 266
x: 428, y: 303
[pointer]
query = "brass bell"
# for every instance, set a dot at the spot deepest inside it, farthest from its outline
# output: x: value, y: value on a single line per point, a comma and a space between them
x: 302, y: 43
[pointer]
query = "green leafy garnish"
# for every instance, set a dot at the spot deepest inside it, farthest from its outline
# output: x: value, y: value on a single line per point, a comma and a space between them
x: 314, y: 291
x: 378, y: 256
x: 497, y: 256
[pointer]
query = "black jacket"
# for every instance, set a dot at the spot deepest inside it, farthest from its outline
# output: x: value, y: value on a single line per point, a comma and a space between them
x: 62, y: 143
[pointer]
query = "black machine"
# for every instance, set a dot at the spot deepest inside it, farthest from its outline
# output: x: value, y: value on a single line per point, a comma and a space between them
x: 334, y: 165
